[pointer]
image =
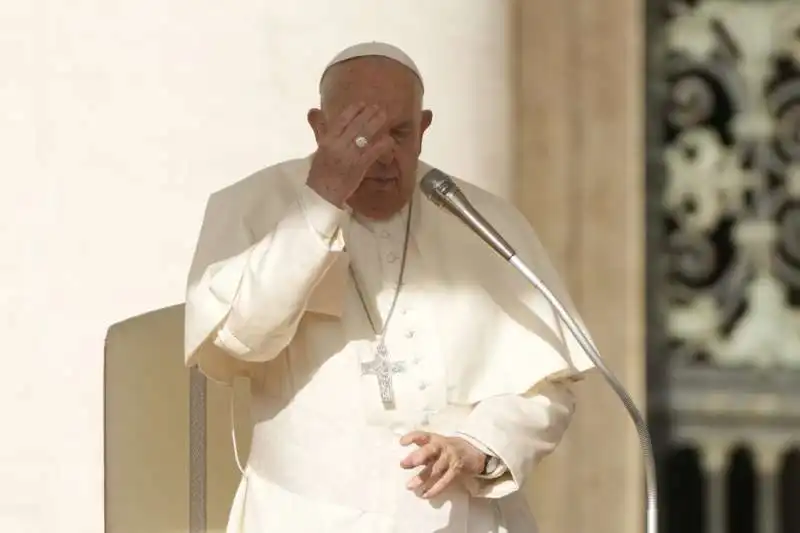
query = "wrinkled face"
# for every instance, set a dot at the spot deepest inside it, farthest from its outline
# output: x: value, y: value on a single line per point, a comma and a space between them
x: 390, y: 181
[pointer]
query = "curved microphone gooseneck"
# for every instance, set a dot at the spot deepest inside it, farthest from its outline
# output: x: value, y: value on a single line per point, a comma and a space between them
x: 440, y: 189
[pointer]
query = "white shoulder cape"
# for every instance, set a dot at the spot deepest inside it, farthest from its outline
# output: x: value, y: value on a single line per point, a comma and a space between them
x: 497, y: 334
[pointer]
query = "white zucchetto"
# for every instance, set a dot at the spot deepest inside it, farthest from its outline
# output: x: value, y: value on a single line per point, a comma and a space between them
x: 374, y: 48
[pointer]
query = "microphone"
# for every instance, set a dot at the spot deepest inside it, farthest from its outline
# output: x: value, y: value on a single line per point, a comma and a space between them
x: 440, y: 189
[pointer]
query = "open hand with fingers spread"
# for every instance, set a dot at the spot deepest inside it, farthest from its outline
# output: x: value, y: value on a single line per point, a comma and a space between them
x: 443, y: 459
x: 346, y: 150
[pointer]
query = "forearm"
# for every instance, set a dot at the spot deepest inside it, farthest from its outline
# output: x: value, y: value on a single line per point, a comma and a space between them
x: 257, y: 297
x: 520, y: 431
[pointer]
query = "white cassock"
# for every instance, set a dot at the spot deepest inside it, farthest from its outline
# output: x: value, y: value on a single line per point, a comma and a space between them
x: 271, y: 297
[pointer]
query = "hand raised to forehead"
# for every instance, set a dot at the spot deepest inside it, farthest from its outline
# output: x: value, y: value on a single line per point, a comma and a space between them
x: 342, y: 158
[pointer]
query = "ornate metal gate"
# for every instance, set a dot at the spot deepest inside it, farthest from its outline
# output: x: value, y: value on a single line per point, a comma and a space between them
x: 724, y: 262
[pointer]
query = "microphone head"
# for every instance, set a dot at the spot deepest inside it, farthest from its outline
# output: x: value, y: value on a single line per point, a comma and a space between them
x: 437, y: 186
x: 443, y: 192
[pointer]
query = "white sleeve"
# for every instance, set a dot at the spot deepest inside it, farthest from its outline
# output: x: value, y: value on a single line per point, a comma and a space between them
x: 520, y: 431
x: 246, y: 299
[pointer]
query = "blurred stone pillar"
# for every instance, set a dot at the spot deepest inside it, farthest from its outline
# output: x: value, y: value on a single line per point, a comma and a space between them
x: 715, y: 462
x: 768, y: 456
x: 580, y: 180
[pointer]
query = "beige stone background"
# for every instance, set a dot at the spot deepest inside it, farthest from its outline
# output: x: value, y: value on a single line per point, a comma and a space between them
x: 580, y: 97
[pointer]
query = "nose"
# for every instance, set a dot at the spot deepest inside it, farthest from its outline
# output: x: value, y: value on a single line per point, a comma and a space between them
x: 386, y: 157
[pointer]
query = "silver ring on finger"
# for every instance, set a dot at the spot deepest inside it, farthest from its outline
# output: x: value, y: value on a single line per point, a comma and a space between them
x: 361, y: 141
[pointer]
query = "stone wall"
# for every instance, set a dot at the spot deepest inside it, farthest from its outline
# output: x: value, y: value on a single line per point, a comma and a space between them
x: 581, y: 183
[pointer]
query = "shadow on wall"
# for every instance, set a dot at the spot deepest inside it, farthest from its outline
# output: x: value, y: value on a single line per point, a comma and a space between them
x: 148, y: 453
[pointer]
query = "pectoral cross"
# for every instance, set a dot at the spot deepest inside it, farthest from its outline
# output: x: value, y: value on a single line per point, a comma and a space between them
x: 383, y: 368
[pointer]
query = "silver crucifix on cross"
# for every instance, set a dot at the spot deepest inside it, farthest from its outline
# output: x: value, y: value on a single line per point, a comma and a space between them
x: 383, y: 369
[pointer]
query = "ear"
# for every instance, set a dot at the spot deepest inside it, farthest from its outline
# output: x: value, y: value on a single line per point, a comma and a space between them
x: 316, y: 119
x: 427, y: 118
x: 425, y: 121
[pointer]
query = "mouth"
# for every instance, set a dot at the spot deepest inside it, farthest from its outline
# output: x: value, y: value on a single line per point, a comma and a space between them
x: 380, y: 179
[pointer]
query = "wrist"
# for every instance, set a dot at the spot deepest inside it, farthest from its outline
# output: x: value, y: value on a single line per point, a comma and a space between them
x: 478, y: 462
x: 476, y: 457
x: 327, y: 191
